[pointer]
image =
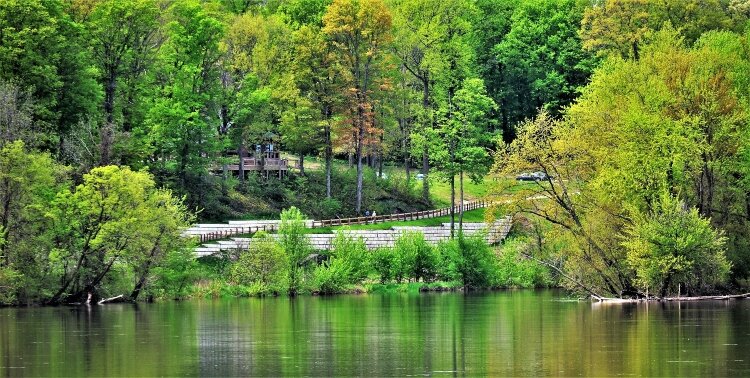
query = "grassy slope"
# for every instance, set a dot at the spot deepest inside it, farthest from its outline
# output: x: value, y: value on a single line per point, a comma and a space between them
x: 440, y: 190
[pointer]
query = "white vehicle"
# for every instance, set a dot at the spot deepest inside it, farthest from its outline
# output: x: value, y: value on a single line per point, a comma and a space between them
x: 533, y: 176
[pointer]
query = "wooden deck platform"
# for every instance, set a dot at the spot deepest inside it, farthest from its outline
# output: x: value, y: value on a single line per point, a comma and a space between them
x: 269, y: 164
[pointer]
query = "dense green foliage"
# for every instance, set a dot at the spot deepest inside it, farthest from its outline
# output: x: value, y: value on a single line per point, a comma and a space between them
x: 177, y: 85
x: 674, y: 245
x: 115, y: 114
x: 264, y: 267
x: 648, y: 168
x: 110, y: 234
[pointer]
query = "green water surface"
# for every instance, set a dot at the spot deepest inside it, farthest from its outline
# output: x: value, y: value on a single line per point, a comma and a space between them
x: 507, y: 333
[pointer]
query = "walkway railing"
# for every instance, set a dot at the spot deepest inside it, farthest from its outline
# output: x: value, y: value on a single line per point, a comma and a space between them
x: 236, y: 230
x: 399, y: 217
x: 240, y: 230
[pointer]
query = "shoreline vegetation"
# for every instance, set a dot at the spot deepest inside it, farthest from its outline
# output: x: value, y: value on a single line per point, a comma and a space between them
x: 288, y: 266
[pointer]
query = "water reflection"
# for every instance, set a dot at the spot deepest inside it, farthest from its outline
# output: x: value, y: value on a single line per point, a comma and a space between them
x: 502, y: 333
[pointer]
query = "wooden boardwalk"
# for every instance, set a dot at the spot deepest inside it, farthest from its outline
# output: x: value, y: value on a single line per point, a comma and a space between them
x: 373, y: 239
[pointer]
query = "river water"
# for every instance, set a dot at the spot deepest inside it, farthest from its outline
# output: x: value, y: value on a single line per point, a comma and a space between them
x: 506, y: 333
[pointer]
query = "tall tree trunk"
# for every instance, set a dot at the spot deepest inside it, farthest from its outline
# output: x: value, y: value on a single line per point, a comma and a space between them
x: 358, y: 204
x: 461, y: 203
x: 224, y: 178
x: 425, y: 151
x: 453, y: 206
x: 706, y: 195
x: 404, y: 145
x: 145, y: 269
x: 127, y: 112
x: 508, y: 132
x: 358, y: 151
x: 241, y: 161
x: 106, y: 136
x: 328, y: 157
x: 106, y: 133
x: 425, y: 170
x: 407, y: 169
x: 380, y: 165
x: 302, y: 163
x: 109, y: 94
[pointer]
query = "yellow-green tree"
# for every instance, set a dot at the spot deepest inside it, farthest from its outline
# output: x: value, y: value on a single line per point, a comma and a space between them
x: 619, y: 26
x: 673, y: 123
x: 28, y: 183
x: 674, y: 250
x: 115, y: 221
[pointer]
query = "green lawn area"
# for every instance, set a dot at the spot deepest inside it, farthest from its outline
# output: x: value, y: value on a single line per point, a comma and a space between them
x: 441, y: 190
x: 472, y: 216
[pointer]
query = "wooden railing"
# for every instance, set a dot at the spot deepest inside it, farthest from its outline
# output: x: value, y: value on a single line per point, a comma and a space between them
x: 239, y: 230
x: 399, y: 217
x: 255, y: 164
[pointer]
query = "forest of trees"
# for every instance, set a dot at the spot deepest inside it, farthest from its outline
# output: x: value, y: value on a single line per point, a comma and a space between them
x: 117, y: 111
x: 172, y: 86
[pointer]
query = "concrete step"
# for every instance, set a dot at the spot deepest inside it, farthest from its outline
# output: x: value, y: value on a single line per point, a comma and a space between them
x: 372, y: 238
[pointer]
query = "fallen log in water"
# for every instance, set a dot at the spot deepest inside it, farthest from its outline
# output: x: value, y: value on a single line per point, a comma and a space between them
x: 671, y: 299
x: 119, y: 298
x: 708, y: 297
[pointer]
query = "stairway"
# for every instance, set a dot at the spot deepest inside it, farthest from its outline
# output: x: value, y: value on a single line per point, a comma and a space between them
x: 373, y: 239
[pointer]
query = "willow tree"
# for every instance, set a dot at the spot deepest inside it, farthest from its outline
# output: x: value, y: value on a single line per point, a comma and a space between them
x: 115, y: 221
x: 360, y: 30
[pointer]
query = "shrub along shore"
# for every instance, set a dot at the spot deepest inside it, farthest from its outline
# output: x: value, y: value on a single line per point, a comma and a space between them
x: 289, y: 266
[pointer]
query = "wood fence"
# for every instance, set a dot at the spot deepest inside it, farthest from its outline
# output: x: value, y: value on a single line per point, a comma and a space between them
x: 399, y: 217
x: 236, y: 230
